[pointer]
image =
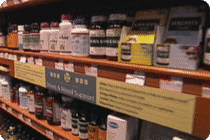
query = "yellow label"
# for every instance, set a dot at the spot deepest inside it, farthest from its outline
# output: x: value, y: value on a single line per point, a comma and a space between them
x: 142, y: 38
x: 31, y: 73
x: 166, y: 108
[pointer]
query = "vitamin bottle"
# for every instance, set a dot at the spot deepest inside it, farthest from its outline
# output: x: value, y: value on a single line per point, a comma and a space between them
x: 20, y: 36
x: 2, y: 39
x: 113, y: 32
x: 13, y: 37
x: 23, y: 97
x: 75, y: 119
x: 26, y: 38
x: 8, y: 41
x: 53, y: 109
x: 94, y: 124
x: 53, y: 38
x: 80, y: 38
x: 44, y: 37
x: 5, y: 90
x: 39, y: 112
x: 31, y: 101
x: 98, y: 37
x: 66, y: 113
x: 83, y: 123
x: 35, y: 37
x: 64, y: 37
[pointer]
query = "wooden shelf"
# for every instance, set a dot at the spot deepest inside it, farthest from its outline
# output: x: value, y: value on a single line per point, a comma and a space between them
x: 38, y: 125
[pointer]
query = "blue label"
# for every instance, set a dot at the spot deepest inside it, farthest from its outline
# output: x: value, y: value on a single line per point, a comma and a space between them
x: 20, y: 46
x: 113, y: 125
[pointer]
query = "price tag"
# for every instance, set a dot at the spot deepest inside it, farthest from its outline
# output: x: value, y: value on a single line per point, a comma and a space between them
x: 49, y: 133
x: 91, y: 70
x: 10, y: 109
x: 15, y: 57
x: 20, y: 116
x: 59, y: 65
x: 175, y: 84
x: 6, y: 55
x: 138, y: 78
x: 23, y: 59
x: 30, y: 60
x: 28, y: 121
x: 3, y: 106
x: 69, y: 66
x: 2, y: 55
x: 38, y: 61
x: 10, y: 57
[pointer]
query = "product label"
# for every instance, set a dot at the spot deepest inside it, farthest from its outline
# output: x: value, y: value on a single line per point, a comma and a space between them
x: 31, y: 103
x: 26, y: 41
x: 187, y: 24
x: 66, y: 118
x: 145, y: 25
x: 163, y: 52
x: 83, y: 130
x: 64, y: 39
x: 206, y: 92
x: 49, y: 111
x: 38, y: 106
x: 20, y: 41
x: 102, y: 134
x: 93, y: 132
x: 53, y: 42
x: 35, y: 42
x: 23, y: 100
x: 75, y: 125
x: 69, y: 66
x: 80, y: 43
x: 56, y: 112
x: 5, y: 92
x: 97, y: 42
x: 2, y: 41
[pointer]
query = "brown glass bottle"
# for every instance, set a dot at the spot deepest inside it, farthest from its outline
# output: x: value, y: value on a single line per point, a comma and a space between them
x: 39, y: 111
x: 94, y: 124
x: 84, y: 122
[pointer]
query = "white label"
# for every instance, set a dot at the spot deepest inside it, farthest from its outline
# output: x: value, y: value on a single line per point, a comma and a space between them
x: 174, y: 85
x: 15, y: 57
x: 2, y: 55
x: 83, y: 130
x: 69, y: 67
x: 30, y: 60
x: 59, y: 65
x: 31, y: 103
x: 3, y: 106
x: 23, y: 59
x: 10, y: 109
x: 23, y: 100
x: 20, y: 116
x: 10, y: 56
x: 49, y: 133
x: 28, y: 121
x: 38, y: 61
x: 91, y: 70
x: 112, y: 51
x: 66, y: 118
x: 137, y: 78
x: 6, y: 55
x: 206, y: 92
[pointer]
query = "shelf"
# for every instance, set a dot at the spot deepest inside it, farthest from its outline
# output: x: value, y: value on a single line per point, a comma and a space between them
x: 39, y: 125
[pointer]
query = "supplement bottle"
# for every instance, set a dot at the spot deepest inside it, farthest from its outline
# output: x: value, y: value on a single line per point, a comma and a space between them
x: 94, y: 124
x: 2, y: 40
x: 14, y: 37
x: 26, y: 38
x: 23, y: 97
x: 39, y: 112
x: 8, y: 40
x: 83, y: 123
x: 35, y: 37
x: 53, y: 38
x: 113, y: 32
x: 75, y: 119
x: 80, y: 38
x: 64, y: 37
x: 98, y: 37
x: 31, y: 101
x: 44, y: 37
x: 66, y: 113
x: 20, y: 36
x: 5, y: 90
x: 53, y: 109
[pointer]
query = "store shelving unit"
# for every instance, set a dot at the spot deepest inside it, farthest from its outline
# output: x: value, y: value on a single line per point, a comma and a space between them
x: 192, y: 84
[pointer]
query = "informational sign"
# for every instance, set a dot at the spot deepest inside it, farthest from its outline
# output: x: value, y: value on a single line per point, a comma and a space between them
x: 71, y: 84
x: 166, y: 108
x: 31, y: 73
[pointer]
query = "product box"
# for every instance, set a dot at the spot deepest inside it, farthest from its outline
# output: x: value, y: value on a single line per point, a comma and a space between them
x: 146, y: 31
x: 122, y: 127
x: 151, y: 131
x: 182, y: 39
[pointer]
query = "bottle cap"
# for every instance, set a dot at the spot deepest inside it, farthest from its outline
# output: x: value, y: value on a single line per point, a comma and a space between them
x: 113, y: 17
x: 99, y: 18
x: 26, y: 27
x: 20, y: 28
x: 80, y: 22
x: 54, y: 25
x: 66, y: 17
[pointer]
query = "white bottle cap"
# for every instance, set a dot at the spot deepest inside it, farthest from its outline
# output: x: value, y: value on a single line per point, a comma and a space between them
x: 22, y: 90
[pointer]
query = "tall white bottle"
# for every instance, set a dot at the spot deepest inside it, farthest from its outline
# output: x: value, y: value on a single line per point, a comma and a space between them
x: 44, y: 37
x: 53, y: 38
x: 64, y: 37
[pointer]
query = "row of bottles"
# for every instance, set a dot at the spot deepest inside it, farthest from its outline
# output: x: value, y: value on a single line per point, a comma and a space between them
x: 12, y: 129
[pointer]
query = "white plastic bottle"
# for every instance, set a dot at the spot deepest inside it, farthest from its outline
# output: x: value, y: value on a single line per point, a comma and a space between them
x: 5, y: 90
x: 20, y: 36
x: 80, y: 38
x: 64, y: 37
x: 23, y: 97
x: 53, y: 38
x: 44, y: 37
